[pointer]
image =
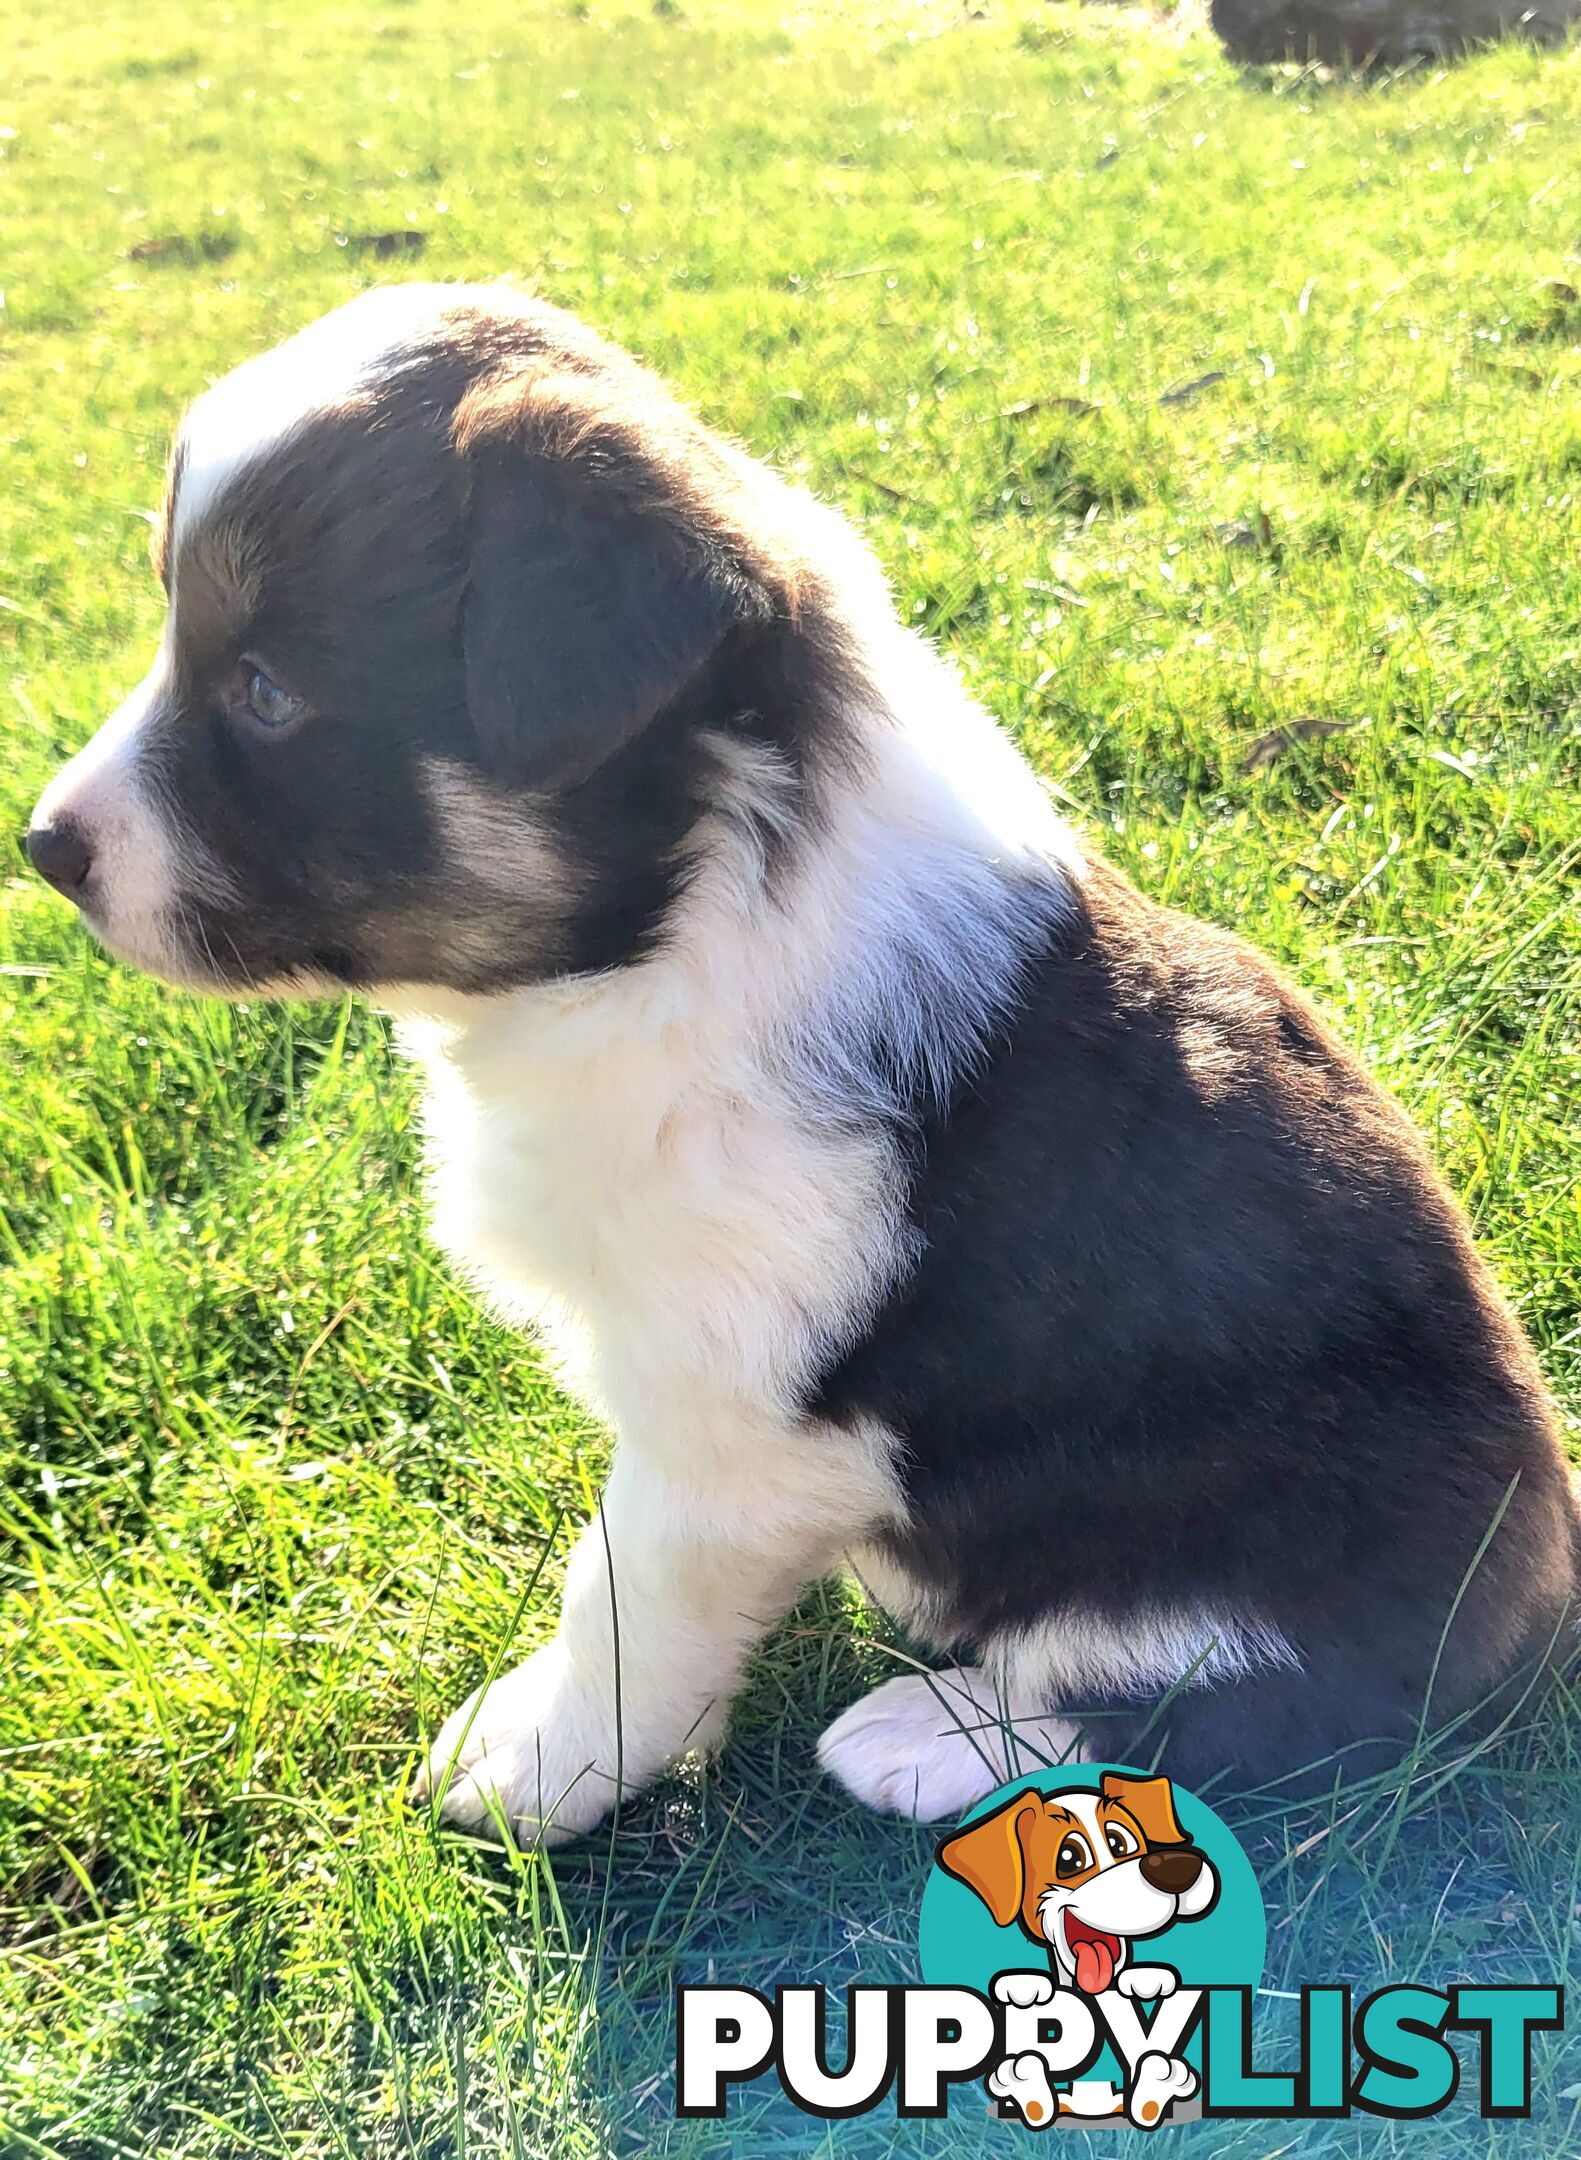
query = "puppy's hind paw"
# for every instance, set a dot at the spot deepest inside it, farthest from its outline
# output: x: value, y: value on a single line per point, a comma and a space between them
x: 929, y: 1745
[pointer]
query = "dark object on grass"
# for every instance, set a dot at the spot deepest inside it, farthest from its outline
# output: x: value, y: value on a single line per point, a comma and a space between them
x: 404, y: 241
x: 190, y: 248
x: 1359, y: 32
x: 1267, y: 748
x: 1182, y: 393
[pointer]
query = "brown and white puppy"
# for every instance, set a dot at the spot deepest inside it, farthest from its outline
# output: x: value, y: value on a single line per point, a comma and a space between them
x: 1086, y: 1874
x: 904, y: 1187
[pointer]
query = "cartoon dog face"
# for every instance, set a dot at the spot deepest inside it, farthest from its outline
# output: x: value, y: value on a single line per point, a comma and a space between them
x: 1086, y: 1874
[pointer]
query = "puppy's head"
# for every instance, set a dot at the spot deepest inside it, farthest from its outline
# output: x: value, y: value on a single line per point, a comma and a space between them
x: 1085, y: 1873
x: 443, y: 573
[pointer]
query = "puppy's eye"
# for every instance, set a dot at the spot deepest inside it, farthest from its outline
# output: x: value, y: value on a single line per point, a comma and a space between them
x: 1120, y: 1841
x: 267, y: 704
x: 1074, y: 1856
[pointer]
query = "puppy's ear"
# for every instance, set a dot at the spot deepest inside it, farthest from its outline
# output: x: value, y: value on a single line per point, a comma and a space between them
x: 988, y: 1857
x: 1151, y: 1800
x: 583, y: 617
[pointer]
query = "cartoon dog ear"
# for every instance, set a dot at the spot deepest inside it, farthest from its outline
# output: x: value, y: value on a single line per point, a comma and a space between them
x: 1151, y: 1800
x: 583, y: 617
x: 988, y: 1857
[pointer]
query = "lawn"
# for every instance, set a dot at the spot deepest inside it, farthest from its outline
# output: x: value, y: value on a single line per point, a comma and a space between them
x: 1228, y: 430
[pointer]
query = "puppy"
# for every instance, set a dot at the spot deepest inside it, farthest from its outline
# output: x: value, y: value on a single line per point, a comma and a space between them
x: 1086, y: 1874
x: 905, y: 1189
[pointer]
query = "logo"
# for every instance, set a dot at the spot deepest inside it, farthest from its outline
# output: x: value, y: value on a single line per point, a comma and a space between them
x: 1092, y: 1942
x: 1081, y: 1901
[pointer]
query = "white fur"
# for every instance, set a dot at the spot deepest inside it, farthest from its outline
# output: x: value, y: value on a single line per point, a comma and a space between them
x: 503, y: 846
x: 666, y: 1593
x: 254, y: 408
x: 1072, y: 1652
x: 929, y: 1745
x: 909, y: 1603
x: 676, y: 1170
x: 136, y: 844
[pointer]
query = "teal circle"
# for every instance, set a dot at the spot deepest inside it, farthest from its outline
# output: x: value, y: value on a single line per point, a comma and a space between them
x: 961, y: 1946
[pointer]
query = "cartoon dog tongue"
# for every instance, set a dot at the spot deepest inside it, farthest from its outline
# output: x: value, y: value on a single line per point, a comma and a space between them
x: 1094, y: 1954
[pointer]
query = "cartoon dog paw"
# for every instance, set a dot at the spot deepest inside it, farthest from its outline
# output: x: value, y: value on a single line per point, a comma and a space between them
x: 1160, y: 2080
x: 1023, y: 1990
x: 1145, y: 1983
x: 1024, y: 2081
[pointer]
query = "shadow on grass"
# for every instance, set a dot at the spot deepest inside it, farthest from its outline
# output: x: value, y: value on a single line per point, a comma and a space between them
x: 1464, y: 1865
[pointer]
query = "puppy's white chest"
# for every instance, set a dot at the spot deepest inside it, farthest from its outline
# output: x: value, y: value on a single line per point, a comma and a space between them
x: 688, y: 1244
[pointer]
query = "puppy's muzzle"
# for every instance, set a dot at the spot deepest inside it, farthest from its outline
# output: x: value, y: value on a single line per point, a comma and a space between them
x: 1172, y: 1872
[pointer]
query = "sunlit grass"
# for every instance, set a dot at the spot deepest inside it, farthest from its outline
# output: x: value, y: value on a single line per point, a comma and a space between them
x: 1185, y: 408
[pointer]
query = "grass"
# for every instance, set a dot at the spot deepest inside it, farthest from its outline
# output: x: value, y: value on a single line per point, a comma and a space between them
x: 1227, y: 429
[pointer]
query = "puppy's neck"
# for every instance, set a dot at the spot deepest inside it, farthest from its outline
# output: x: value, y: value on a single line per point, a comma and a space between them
x: 871, y: 940
x: 698, y: 1161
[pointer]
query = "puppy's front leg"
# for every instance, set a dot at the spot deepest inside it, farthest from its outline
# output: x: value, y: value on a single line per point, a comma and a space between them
x: 666, y: 1592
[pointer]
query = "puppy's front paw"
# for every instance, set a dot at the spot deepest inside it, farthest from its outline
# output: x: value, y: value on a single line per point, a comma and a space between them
x: 1145, y: 1982
x: 528, y: 1758
x: 930, y: 1744
x: 1160, y: 2080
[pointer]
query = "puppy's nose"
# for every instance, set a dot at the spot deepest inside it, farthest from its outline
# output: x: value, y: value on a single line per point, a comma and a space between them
x: 1173, y: 1872
x: 60, y: 852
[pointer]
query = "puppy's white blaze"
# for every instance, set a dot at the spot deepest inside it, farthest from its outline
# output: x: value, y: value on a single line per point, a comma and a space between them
x: 256, y: 406
x: 141, y: 859
x: 1152, y: 1648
